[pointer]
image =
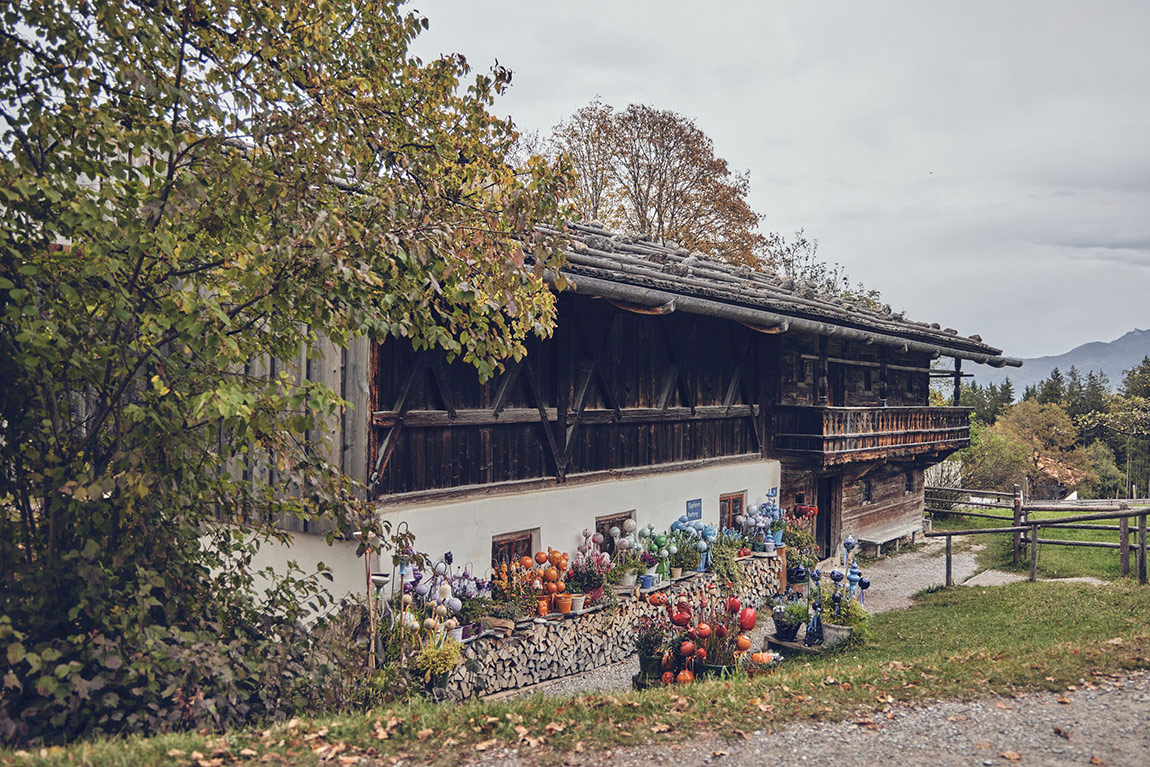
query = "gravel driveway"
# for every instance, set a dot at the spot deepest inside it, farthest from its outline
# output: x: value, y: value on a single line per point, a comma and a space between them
x: 1104, y: 724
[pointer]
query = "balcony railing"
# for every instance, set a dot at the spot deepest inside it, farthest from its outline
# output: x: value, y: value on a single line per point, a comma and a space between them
x: 844, y: 434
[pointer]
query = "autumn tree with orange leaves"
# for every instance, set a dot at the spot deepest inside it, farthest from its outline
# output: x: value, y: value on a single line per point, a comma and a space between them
x: 654, y: 172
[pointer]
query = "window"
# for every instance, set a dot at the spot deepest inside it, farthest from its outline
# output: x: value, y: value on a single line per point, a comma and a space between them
x: 867, y: 490
x: 731, y: 506
x: 868, y: 384
x: 605, y: 523
x: 909, y: 482
x: 511, y: 547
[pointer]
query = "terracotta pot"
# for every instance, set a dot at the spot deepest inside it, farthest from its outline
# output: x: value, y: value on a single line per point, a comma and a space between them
x: 563, y: 603
x: 577, y: 601
x: 676, y: 572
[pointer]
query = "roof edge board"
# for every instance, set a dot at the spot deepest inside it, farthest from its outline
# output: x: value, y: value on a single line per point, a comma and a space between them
x: 594, y: 286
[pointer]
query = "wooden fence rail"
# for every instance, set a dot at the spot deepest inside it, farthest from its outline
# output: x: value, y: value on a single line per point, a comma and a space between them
x: 1024, y: 524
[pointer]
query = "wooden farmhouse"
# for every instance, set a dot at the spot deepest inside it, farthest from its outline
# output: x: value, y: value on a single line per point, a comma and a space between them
x: 672, y: 385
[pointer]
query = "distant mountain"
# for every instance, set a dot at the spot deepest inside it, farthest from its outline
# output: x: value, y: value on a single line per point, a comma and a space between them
x: 1111, y: 358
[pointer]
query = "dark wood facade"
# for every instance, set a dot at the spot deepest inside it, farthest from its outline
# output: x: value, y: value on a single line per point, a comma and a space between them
x: 612, y: 389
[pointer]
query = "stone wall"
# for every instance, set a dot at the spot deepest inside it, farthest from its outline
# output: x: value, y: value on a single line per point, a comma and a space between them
x: 557, y: 648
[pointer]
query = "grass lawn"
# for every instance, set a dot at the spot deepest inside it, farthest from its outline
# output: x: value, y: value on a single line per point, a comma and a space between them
x: 957, y: 643
x: 1053, y: 561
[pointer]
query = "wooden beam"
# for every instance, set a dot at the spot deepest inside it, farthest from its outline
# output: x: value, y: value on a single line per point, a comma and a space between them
x: 661, y: 309
x: 387, y: 444
x: 506, y: 381
x: 821, y: 372
x: 414, y: 419
x: 957, y: 380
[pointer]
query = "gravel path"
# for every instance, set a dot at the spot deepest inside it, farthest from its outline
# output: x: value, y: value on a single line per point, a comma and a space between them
x: 894, y: 581
x: 1102, y: 725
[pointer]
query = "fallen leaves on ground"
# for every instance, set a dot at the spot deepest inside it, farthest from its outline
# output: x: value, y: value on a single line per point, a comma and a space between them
x: 1062, y: 733
x: 1011, y: 756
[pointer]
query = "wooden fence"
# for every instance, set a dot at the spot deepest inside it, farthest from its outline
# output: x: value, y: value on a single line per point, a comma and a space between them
x: 1025, y: 529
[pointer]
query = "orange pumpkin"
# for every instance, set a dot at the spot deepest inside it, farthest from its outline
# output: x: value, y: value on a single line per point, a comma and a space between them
x: 743, y: 642
x: 761, y: 657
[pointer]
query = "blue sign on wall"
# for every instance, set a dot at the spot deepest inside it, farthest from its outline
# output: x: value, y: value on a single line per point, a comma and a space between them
x: 695, y: 509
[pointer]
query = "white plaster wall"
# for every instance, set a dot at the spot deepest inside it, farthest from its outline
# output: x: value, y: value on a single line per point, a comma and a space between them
x: 465, y: 527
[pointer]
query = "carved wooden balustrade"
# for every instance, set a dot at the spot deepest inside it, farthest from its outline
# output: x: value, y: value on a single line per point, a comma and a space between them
x: 846, y: 434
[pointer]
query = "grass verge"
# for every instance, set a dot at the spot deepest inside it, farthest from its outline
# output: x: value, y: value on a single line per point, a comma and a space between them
x: 955, y: 644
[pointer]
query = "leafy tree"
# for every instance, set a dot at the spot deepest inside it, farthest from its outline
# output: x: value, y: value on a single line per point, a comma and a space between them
x: 1109, y: 479
x: 1136, y: 381
x: 190, y: 190
x: 654, y: 172
x: 1051, y: 438
x: 994, y: 460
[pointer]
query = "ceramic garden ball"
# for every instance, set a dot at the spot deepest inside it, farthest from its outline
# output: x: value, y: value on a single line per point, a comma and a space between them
x: 586, y: 533
x: 816, y: 575
x: 613, y: 532
x: 660, y: 540
x: 837, y: 576
x: 701, y: 546
x: 677, y: 525
x: 740, y: 520
x: 629, y: 525
x: 673, y: 549
x: 644, y: 533
x: 454, y: 604
x: 440, y: 568
x: 624, y: 544
x: 597, y: 538
x: 864, y: 583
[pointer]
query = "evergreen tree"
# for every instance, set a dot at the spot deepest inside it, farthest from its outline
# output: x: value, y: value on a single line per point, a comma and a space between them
x: 1136, y: 381
x: 1052, y: 391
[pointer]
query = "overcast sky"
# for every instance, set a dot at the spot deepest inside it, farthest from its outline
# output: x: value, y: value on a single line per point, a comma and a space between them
x: 986, y: 165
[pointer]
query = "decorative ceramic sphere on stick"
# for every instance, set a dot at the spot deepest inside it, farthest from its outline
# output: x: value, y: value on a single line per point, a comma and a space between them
x: 629, y: 525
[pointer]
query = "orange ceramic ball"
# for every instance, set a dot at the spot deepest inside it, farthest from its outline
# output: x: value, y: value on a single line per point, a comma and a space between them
x: 685, y: 676
x: 526, y: 563
x: 540, y: 557
x: 552, y: 588
x: 761, y: 657
x: 561, y: 586
x: 743, y: 642
x: 668, y: 677
x: 551, y: 575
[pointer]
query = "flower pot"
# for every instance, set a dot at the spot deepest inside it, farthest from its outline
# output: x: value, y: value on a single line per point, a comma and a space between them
x: 716, y: 672
x: 758, y: 547
x: 787, y: 633
x: 676, y: 573
x: 456, y: 634
x: 834, y: 634
x: 577, y: 602
x: 470, y: 630
x: 646, y: 581
x: 563, y: 603
x: 794, y: 577
x: 543, y: 606
x: 777, y: 535
x: 651, y: 665
x: 628, y: 580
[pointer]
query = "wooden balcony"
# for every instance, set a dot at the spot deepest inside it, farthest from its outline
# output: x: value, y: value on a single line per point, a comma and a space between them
x: 846, y: 434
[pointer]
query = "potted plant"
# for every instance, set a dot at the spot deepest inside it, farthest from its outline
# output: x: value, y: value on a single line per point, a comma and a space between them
x: 840, y: 622
x: 685, y: 556
x: 435, y: 660
x: 778, y: 529
x: 789, y: 619
x: 650, y: 637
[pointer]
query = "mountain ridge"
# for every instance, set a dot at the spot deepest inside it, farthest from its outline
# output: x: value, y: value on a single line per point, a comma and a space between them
x: 1109, y: 357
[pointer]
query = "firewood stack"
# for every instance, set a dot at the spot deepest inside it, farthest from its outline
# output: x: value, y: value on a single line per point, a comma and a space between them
x: 561, y: 647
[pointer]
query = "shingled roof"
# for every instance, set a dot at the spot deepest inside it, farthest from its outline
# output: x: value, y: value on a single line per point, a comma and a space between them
x: 663, y: 278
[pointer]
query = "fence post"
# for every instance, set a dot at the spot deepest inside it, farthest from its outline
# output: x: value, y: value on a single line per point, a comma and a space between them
x: 1033, y: 553
x: 1142, y: 550
x: 1124, y: 542
x: 1017, y: 522
x: 949, y: 576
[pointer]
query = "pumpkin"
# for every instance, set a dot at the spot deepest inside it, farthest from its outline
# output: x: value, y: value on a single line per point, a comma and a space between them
x: 703, y: 630
x: 743, y: 642
x: 761, y: 657
x: 747, y: 619
x: 733, y: 605
x: 685, y: 676
x: 687, y: 649
x: 668, y: 677
x: 540, y: 557
x: 526, y: 563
